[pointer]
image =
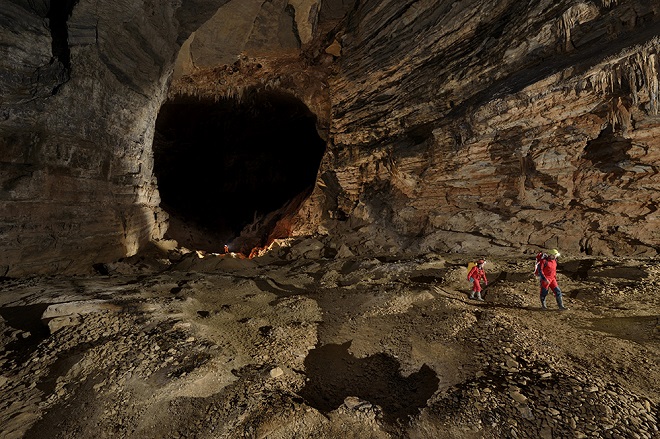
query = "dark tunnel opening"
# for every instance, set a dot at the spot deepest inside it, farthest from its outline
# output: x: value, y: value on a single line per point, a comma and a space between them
x: 221, y: 164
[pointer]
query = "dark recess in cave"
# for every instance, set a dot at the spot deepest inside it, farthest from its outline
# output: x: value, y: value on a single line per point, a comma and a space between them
x: 58, y: 16
x: 221, y: 164
x: 608, y: 151
x: 59, y: 12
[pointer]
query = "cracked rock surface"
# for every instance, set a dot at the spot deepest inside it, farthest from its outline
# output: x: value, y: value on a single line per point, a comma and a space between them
x: 222, y: 347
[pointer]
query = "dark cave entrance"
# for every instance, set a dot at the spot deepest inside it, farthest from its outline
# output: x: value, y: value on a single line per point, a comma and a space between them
x: 222, y: 164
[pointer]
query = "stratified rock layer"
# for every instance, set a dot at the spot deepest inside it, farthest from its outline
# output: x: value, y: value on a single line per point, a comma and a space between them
x: 481, y: 126
x: 452, y: 126
x: 76, y: 179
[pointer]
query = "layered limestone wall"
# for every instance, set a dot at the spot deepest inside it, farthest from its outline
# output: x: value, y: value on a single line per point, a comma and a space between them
x: 81, y: 84
x: 490, y: 127
x: 472, y: 126
x: 80, y: 91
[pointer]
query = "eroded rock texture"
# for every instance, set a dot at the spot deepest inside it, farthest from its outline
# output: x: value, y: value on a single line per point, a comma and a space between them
x: 451, y: 126
x: 79, y: 102
x: 477, y: 125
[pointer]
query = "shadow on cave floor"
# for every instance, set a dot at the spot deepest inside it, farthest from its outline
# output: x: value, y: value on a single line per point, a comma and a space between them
x: 27, y: 320
x: 334, y: 374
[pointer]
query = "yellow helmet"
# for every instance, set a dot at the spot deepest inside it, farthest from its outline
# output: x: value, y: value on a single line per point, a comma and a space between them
x: 554, y: 252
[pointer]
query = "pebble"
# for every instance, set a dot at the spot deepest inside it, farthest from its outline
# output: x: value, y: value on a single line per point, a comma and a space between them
x: 352, y: 401
x: 518, y: 397
x: 511, y: 363
x: 647, y: 405
x: 276, y: 372
x: 604, y: 409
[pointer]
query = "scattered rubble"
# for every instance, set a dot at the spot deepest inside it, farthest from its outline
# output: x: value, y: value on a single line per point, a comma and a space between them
x: 314, y: 347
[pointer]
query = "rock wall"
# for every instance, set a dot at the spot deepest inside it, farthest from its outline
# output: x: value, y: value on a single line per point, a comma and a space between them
x: 490, y: 127
x: 80, y: 90
x: 474, y: 126
x: 251, y: 25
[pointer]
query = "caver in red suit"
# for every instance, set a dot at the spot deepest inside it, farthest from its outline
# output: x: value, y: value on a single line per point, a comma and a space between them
x: 548, y: 277
x: 475, y: 275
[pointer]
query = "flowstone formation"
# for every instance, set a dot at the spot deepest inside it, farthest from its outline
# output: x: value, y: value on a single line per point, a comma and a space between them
x: 449, y: 126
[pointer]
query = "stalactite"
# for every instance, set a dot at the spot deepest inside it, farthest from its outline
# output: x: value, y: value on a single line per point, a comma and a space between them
x: 632, y: 78
x: 573, y: 16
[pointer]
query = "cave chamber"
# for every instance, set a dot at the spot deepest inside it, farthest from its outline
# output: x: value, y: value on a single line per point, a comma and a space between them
x: 225, y: 164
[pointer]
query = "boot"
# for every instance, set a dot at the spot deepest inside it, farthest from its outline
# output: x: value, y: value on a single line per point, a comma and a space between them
x: 560, y: 303
x: 472, y: 295
x: 543, y: 304
x: 479, y: 296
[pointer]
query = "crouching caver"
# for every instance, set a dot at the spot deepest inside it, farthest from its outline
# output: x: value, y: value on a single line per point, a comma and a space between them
x: 547, y: 273
x: 476, y: 274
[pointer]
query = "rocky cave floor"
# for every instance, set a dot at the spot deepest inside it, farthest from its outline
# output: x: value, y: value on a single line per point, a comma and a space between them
x: 294, y: 345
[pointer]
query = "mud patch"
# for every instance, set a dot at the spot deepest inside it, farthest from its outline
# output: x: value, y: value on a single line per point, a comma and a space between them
x: 638, y: 329
x: 334, y: 374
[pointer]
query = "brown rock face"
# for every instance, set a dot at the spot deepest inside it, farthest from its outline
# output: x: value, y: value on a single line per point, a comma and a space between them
x: 451, y: 126
x: 79, y: 104
x: 486, y: 127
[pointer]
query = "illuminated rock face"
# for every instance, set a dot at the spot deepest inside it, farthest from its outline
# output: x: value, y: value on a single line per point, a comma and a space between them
x: 79, y: 104
x: 454, y: 126
x: 490, y: 127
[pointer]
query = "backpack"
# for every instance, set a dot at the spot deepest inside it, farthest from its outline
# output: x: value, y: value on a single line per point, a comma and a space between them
x: 537, y: 267
x: 470, y: 266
